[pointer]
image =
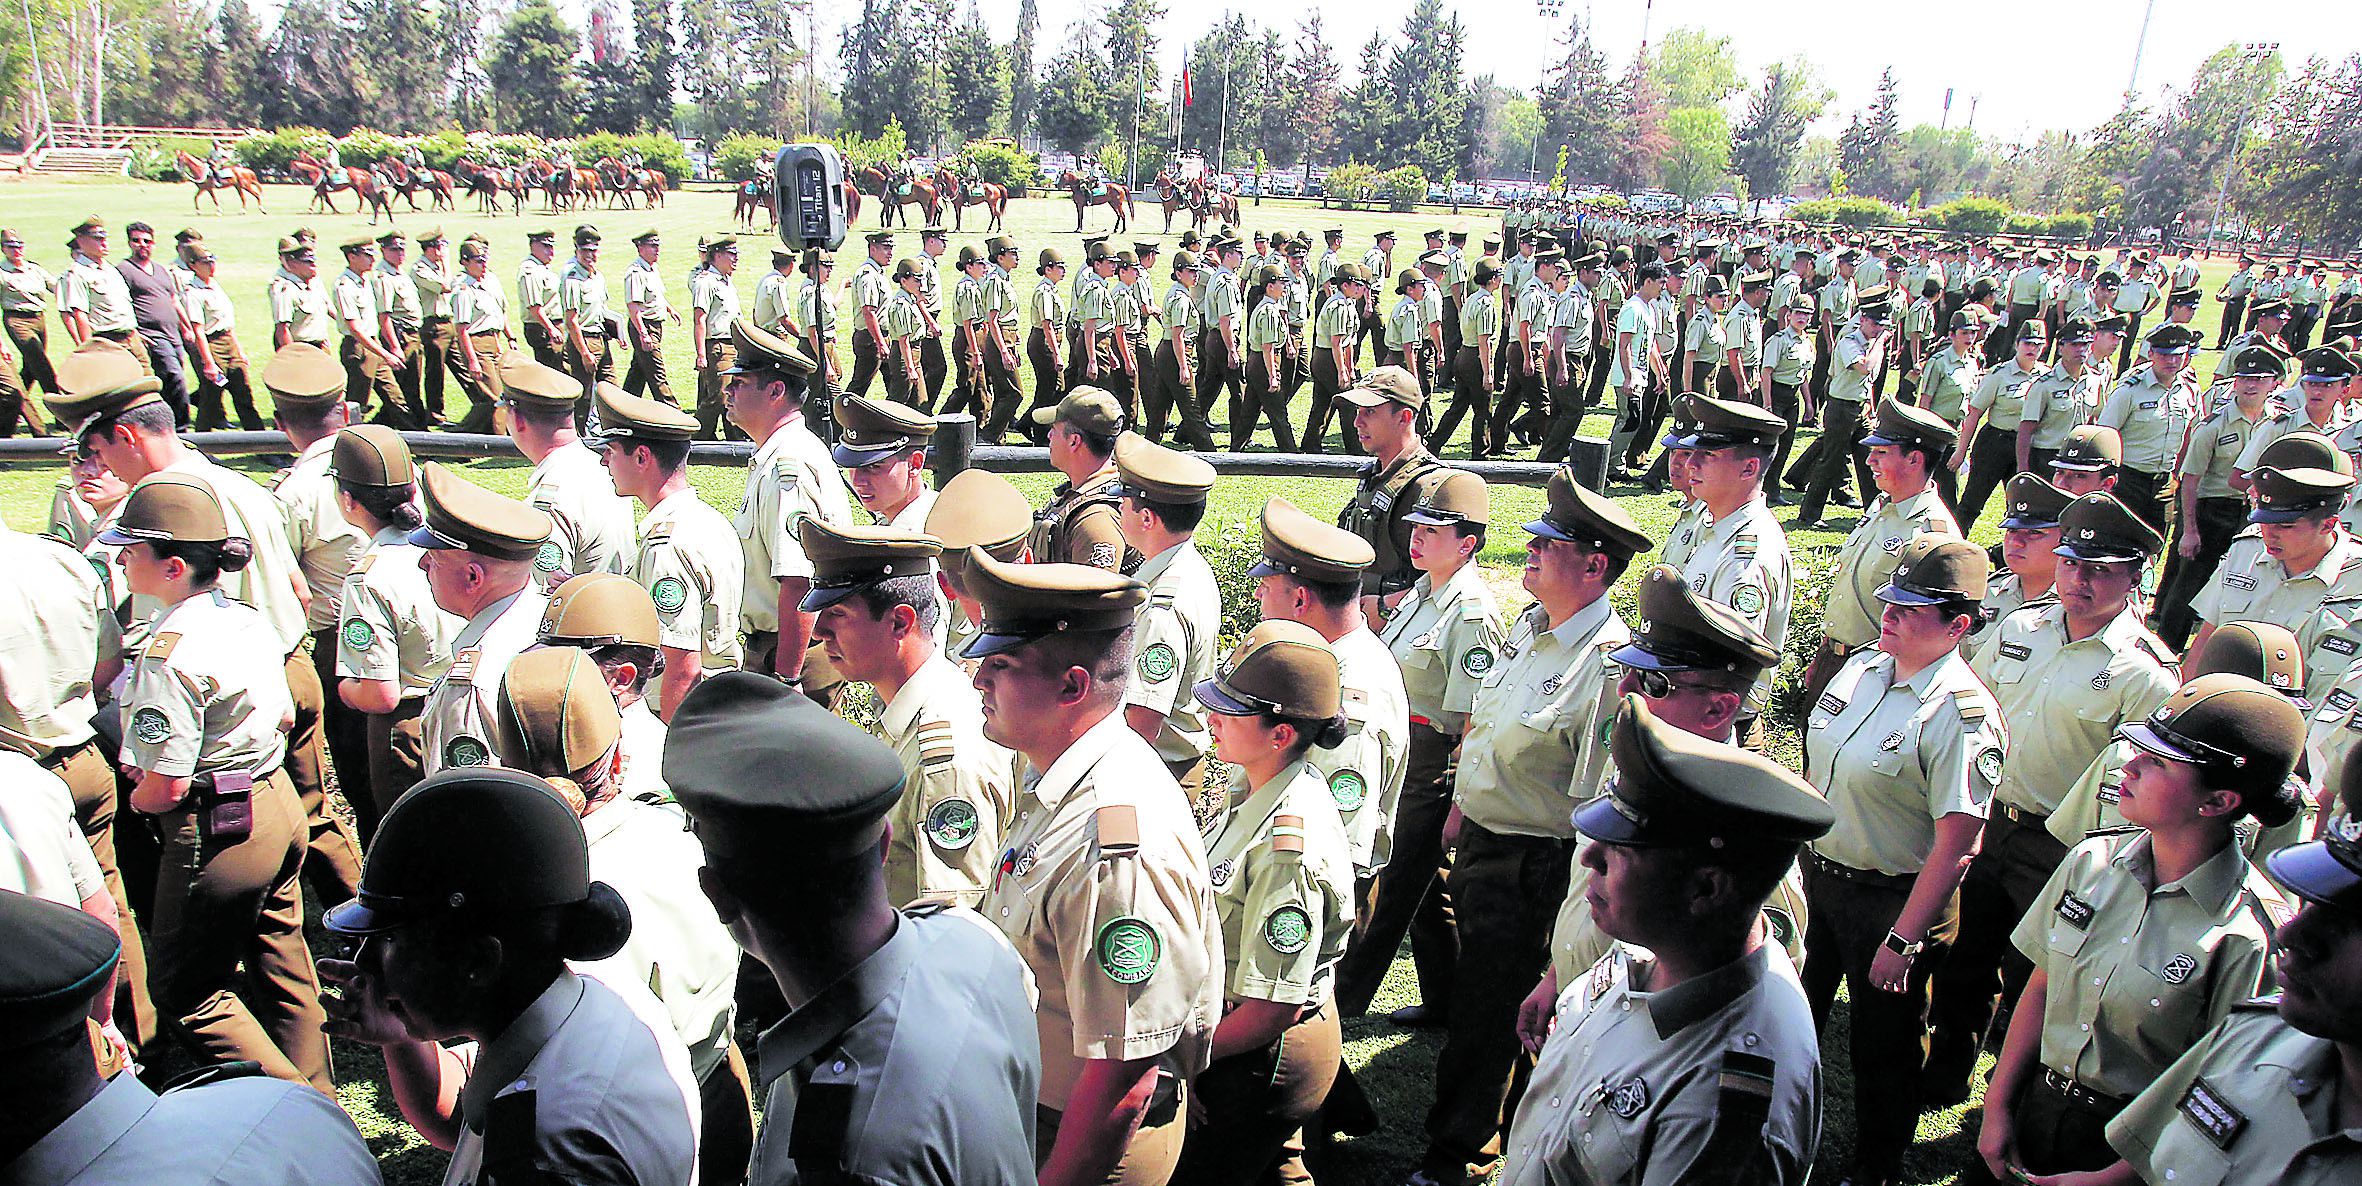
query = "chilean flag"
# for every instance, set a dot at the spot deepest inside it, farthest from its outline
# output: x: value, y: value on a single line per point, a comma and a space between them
x: 1186, y: 100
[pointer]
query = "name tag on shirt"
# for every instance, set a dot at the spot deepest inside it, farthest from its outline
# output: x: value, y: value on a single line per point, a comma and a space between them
x: 2077, y: 912
x: 2207, y: 1111
x: 2012, y: 650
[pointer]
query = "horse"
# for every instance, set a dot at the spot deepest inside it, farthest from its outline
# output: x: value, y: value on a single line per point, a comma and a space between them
x: 231, y: 177
x: 488, y: 185
x: 407, y: 182
x: 1171, y: 195
x: 893, y: 196
x: 1223, y: 204
x: 615, y: 181
x: 952, y: 192
x: 375, y: 198
x: 1087, y: 194
x: 752, y: 196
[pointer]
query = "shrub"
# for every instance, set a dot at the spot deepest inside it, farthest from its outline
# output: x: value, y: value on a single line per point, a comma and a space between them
x: 443, y: 149
x: 1972, y: 216
x: 1847, y: 211
x: 153, y: 160
x: 744, y: 156
x: 505, y: 150
x: 365, y: 147
x: 662, y: 153
x: 2072, y: 227
x: 1003, y: 164
x: 1231, y: 555
x: 273, y: 150
x: 1350, y: 183
x: 1405, y: 187
x: 886, y: 150
x: 2025, y: 224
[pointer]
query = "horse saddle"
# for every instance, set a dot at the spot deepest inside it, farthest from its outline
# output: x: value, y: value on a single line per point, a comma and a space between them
x: 1099, y: 190
x: 976, y: 191
x: 902, y: 190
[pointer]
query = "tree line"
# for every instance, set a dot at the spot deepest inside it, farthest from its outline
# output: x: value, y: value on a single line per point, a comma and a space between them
x: 1683, y: 114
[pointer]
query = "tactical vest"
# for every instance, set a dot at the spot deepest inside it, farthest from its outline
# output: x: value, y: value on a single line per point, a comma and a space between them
x: 1376, y: 512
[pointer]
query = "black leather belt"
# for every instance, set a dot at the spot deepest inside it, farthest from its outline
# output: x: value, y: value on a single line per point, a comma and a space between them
x: 1844, y: 872
x: 2077, y: 1093
x: 2020, y: 816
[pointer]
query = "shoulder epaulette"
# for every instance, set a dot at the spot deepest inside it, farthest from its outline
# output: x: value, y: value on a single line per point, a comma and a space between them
x: 160, y: 647
x: 2156, y: 649
x: 2269, y: 1004
x: 1119, y: 830
x: 1970, y: 706
x: 2271, y: 905
x: 936, y: 747
x: 362, y: 565
x: 223, y: 1072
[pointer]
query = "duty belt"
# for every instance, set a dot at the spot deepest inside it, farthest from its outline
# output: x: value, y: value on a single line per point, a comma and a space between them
x: 1844, y: 872
x: 2021, y: 816
x: 2079, y: 1094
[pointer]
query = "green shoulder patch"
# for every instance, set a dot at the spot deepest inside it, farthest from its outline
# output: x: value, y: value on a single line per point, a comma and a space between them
x: 1157, y: 662
x: 548, y: 557
x: 1128, y: 950
x: 1287, y: 929
x: 150, y: 725
x: 1348, y: 788
x: 466, y: 751
x: 1747, y: 599
x: 952, y: 824
x: 669, y: 594
x: 1477, y: 660
x: 358, y: 635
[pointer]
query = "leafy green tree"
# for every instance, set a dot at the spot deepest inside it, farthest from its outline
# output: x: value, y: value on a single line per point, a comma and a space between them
x: 653, y: 46
x: 975, y: 78
x: 1429, y: 113
x: 1768, y: 141
x: 536, y: 86
x: 1697, y: 156
x: 1517, y: 136
x: 2306, y: 175
x: 1694, y: 68
x: 1073, y: 96
x: 1635, y: 159
x: 1312, y: 94
x: 309, y: 71
x: 1023, y: 86
x: 893, y: 65
x: 2192, y: 141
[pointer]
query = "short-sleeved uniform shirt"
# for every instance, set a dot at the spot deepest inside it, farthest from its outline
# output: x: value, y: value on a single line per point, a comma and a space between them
x: 2058, y: 403
x: 791, y: 477
x: 25, y: 289
x: 1743, y: 562
x: 56, y: 625
x: 268, y: 582
x: 920, y: 1065
x: 248, y: 1129
x: 1869, y: 558
x: 2250, y: 586
x: 1536, y: 737
x: 1946, y: 381
x: 592, y: 524
x: 2295, y: 419
x: 1846, y: 380
x: 1480, y: 318
x: 773, y: 300
x: 99, y: 292
x: 1571, y: 318
x: 582, y: 293
x: 2212, y: 453
x: 1102, y: 885
x: 42, y: 850
x: 537, y: 288
x: 2061, y: 701
x: 397, y: 297
x: 944, y: 835
x: 456, y: 722
x: 2254, y: 1102
x: 301, y: 306
x: 1788, y: 357
x: 1895, y: 757
x: 678, y: 946
x: 1742, y: 330
x: 587, y: 1085
x: 391, y: 629
x: 325, y: 543
x: 1722, y: 1070
x: 812, y: 304
x: 434, y: 286
x: 478, y: 305
x: 1050, y: 305
x: 208, y: 307
x: 1283, y: 888
x: 1435, y: 636
x: 207, y: 693
x: 714, y: 295
x: 692, y: 566
x: 2139, y: 974
x: 2001, y: 396
x: 353, y: 300
x: 1364, y: 772
x: 643, y: 285
x: 1174, y: 636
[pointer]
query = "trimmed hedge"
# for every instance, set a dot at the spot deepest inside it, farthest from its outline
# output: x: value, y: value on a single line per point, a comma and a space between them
x: 1847, y: 211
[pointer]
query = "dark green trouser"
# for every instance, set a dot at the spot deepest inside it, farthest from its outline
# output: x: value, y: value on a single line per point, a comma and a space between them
x: 1834, y: 453
x: 1852, y: 909
x: 2016, y: 859
x: 2060, y: 1130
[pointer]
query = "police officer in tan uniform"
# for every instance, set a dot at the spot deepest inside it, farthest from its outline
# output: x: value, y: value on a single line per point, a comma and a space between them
x: 2295, y: 564
x: 478, y: 558
x: 882, y: 446
x: 1698, y: 1062
x: 481, y: 337
x: 873, y: 597
x: 1163, y: 498
x: 392, y: 641
x: 977, y: 509
x: 1742, y: 559
x: 1907, y: 446
x: 2192, y: 919
x: 1080, y: 525
x: 1103, y: 883
x: 2066, y: 673
x: 1283, y: 886
x: 792, y: 477
x: 299, y: 302
x: 1907, y: 744
x: 591, y: 524
x: 690, y: 560
x: 1533, y: 743
x: 645, y: 312
x: 369, y: 366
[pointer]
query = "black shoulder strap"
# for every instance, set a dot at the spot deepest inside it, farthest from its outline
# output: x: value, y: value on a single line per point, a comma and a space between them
x: 511, y: 1136
x: 1738, y: 1151
x: 220, y: 1072
x: 816, y: 1143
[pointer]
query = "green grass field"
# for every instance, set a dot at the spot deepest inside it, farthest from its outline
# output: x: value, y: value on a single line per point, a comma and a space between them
x: 1395, y: 1065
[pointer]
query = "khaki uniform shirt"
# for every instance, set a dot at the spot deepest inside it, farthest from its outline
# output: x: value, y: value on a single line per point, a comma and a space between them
x: 714, y: 294
x: 2058, y: 403
x: 810, y: 303
x: 100, y: 292
x: 56, y: 625
x: 1480, y: 318
x: 1365, y: 772
x: 1869, y: 557
x: 2250, y: 586
x: 2062, y: 701
x: 1946, y: 381
x: 1435, y: 635
x: 268, y: 582
x: 1174, y: 637
x: 2294, y: 419
x: 1283, y: 889
x: 1742, y: 561
x: 208, y: 308
x: 583, y: 294
x: 1742, y: 330
x: 353, y: 299
x: 1681, y: 541
x: 434, y: 286
x: 593, y: 529
x: 791, y: 476
x: 944, y: 836
x: 774, y: 300
x: 643, y: 285
x: 2215, y: 445
x: 1636, y: 1086
x: 2118, y: 1013
x: 537, y: 288
x: 678, y: 947
x: 25, y: 289
x: 326, y: 544
x: 2253, y: 1103
x: 1536, y: 735
x: 392, y: 628
x: 2001, y: 396
x: 456, y: 722
x: 1788, y: 357
x: 301, y: 306
x: 479, y: 306
x: 691, y: 563
x: 1050, y: 305
x: 207, y: 693
x: 1894, y: 758
x: 398, y: 297
x: 1123, y: 942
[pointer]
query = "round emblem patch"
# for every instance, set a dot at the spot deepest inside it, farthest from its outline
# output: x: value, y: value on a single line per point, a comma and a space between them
x: 1157, y: 663
x: 1287, y: 929
x: 1477, y: 661
x: 1783, y: 928
x: 150, y: 725
x: 466, y: 751
x: 1628, y: 1100
x: 548, y: 557
x: 952, y: 824
x: 1989, y: 766
x: 669, y: 594
x: 1747, y: 599
x: 1347, y: 788
x: 359, y: 635
x: 1128, y: 950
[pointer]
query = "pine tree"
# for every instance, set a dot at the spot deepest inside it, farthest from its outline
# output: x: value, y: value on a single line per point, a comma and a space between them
x: 1868, y: 150
x: 653, y: 46
x: 1023, y: 86
x: 1766, y: 144
x: 1581, y: 109
x: 1312, y: 93
x: 536, y: 87
x: 976, y: 78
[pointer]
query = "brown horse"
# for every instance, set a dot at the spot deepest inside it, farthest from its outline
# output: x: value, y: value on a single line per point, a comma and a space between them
x: 893, y: 195
x: 959, y: 196
x: 753, y: 196
x: 375, y: 198
x: 1087, y: 194
x: 488, y: 185
x: 1223, y: 204
x: 1173, y: 194
x: 232, y: 177
x: 623, y: 183
x: 407, y: 181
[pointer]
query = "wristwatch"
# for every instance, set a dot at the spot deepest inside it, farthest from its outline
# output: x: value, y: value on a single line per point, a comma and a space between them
x: 1904, y: 947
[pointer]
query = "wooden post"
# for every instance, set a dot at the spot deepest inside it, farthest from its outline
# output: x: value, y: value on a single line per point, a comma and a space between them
x: 954, y: 446
x: 1589, y: 459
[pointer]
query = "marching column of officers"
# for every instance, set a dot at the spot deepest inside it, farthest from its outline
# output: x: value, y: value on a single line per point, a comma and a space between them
x: 1125, y: 884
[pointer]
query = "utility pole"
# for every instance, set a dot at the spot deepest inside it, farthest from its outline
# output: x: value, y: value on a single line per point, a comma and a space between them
x: 2253, y: 51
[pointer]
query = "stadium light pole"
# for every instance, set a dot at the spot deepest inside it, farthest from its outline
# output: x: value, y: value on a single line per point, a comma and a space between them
x: 1549, y: 10
x: 2253, y: 51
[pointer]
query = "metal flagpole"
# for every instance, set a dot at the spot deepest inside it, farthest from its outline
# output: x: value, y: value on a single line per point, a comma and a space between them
x: 1222, y: 128
x: 1139, y: 96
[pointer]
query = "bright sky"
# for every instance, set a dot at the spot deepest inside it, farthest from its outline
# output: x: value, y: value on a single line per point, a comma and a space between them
x: 1982, y: 52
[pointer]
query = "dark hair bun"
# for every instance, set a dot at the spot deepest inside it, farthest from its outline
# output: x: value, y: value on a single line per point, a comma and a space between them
x: 595, y: 927
x: 234, y: 554
x: 2276, y: 805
